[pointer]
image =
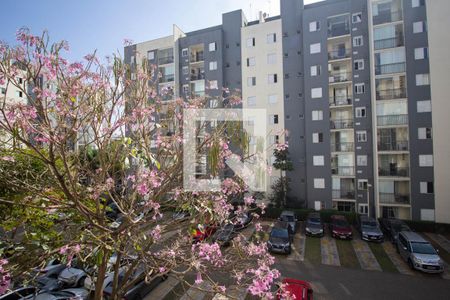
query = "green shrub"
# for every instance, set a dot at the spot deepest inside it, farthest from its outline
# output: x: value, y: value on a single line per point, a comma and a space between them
x: 274, y: 213
x: 427, y: 226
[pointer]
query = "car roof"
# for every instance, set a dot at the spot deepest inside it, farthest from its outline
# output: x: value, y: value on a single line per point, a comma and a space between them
x: 287, y: 213
x: 281, y: 225
x: 340, y: 217
x: 413, y: 236
x: 366, y: 219
x: 314, y: 215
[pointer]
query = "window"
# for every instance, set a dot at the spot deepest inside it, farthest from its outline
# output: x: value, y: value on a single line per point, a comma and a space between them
x: 317, y: 137
x: 251, y: 42
x: 360, y: 112
x: 422, y: 79
x: 424, y: 106
x: 420, y: 53
x: 212, y: 65
x: 427, y: 215
x: 272, y: 78
x: 185, y: 70
x: 359, y: 88
x: 251, y: 81
x: 185, y: 52
x: 357, y: 17
x: 314, y: 48
x: 213, y: 103
x: 271, y: 58
x: 417, y: 3
x: 271, y: 38
x: 426, y: 187
x: 314, y: 26
x: 273, y: 119
x: 133, y: 76
x: 316, y: 93
x: 318, y: 160
x: 358, y: 41
x: 363, y: 208
x: 361, y: 160
x: 273, y: 99
x: 361, y: 136
x: 418, y: 27
x: 359, y: 64
x: 212, y: 47
x: 425, y: 133
x: 251, y: 101
x: 317, y: 115
x: 251, y: 61
x: 362, y: 184
x: 151, y: 55
x: 213, y: 85
x: 426, y: 160
x: 274, y: 139
x: 319, y: 183
x: 316, y: 70
x: 186, y: 89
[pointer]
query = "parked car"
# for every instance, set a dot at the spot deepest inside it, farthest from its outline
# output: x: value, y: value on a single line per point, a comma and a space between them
x: 419, y: 253
x: 242, y: 221
x: 340, y: 228
x: 280, y: 239
x: 392, y: 227
x: 20, y: 293
x: 67, y: 294
x: 314, y: 225
x: 290, y: 218
x: 300, y: 289
x: 224, y: 235
x: 47, y: 277
x: 369, y: 229
x: 139, y: 289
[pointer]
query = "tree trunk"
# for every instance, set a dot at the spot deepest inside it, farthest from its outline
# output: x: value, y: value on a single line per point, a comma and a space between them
x: 101, y: 276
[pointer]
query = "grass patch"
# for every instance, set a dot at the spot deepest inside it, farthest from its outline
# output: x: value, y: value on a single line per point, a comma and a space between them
x: 382, y: 258
x: 347, y: 255
x: 312, y: 250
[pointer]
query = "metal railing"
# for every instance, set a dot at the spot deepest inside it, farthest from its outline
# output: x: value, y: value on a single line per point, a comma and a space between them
x: 339, y: 77
x: 340, y: 101
x: 167, y: 78
x: 393, y: 198
x: 338, y: 29
x: 392, y: 120
x: 341, y: 124
x: 387, y: 17
x: 343, y: 171
x: 165, y: 60
x: 393, y: 146
x: 394, y: 42
x: 342, y: 147
x: 343, y: 194
x: 197, y: 57
x: 339, y: 54
x: 390, y: 68
x: 394, y: 172
x: 391, y: 94
x: 197, y: 77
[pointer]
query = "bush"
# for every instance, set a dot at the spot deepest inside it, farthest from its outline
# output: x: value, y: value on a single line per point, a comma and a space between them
x: 274, y: 213
x: 427, y: 226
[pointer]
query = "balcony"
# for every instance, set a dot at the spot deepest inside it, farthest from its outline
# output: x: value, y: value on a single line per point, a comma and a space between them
x: 343, y: 171
x: 390, y: 68
x: 394, y: 171
x: 394, y: 146
x: 394, y: 198
x: 342, y: 76
x: 340, y: 101
x: 339, y: 54
x: 343, y: 194
x: 342, y: 147
x: 338, y: 29
x: 197, y: 57
x: 167, y: 78
x: 392, y: 120
x: 165, y: 60
x: 391, y: 94
x: 394, y: 42
x: 387, y: 17
x: 341, y: 124
x: 195, y: 77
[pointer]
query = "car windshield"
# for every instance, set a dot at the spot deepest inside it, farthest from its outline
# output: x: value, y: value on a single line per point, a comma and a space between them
x: 400, y: 227
x: 314, y: 221
x: 279, y: 233
x: 287, y: 218
x: 369, y: 224
x: 422, y: 248
x: 340, y: 223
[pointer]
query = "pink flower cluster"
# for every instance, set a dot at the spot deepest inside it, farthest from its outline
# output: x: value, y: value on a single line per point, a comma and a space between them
x: 5, y: 278
x: 282, y: 147
x: 70, y: 251
x: 230, y: 187
x: 210, y: 253
x: 264, y: 278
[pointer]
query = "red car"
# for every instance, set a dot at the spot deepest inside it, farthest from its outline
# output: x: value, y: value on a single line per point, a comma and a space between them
x: 302, y: 290
x: 340, y: 228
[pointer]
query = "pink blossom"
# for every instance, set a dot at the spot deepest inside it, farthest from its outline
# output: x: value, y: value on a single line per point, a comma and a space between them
x: 258, y: 227
x: 142, y: 189
x: 249, y: 200
x: 162, y: 269
x: 8, y: 158
x: 199, y: 279
x: 63, y: 249
x: 156, y: 233
x: 5, y: 277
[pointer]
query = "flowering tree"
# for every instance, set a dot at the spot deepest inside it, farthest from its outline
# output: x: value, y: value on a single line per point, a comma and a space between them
x: 93, y: 129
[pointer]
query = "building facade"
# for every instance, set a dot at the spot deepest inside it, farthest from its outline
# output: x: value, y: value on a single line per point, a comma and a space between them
x: 347, y: 84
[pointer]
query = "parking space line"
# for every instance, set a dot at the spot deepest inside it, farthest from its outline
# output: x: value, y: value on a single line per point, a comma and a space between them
x: 366, y: 259
x: 398, y: 262
x: 346, y: 290
x: 330, y: 255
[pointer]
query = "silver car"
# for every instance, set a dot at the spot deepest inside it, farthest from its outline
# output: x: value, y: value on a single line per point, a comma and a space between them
x: 419, y: 253
x: 370, y: 231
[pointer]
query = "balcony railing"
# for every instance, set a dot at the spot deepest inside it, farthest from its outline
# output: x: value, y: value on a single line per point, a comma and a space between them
x: 341, y: 124
x: 338, y: 29
x: 393, y: 198
x: 343, y: 171
x: 165, y: 60
x: 197, y: 77
x: 394, y: 42
x: 393, y: 146
x: 390, y: 68
x: 340, y: 101
x: 167, y: 78
x: 340, y: 77
x: 387, y: 17
x: 394, y: 172
x: 343, y: 194
x: 342, y: 147
x: 339, y: 54
x: 391, y: 120
x: 197, y: 57
x: 391, y: 94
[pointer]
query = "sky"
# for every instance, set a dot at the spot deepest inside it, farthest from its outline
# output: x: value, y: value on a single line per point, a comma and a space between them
x: 103, y: 25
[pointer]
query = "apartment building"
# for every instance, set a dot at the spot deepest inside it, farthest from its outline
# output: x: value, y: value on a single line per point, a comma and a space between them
x: 347, y: 83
